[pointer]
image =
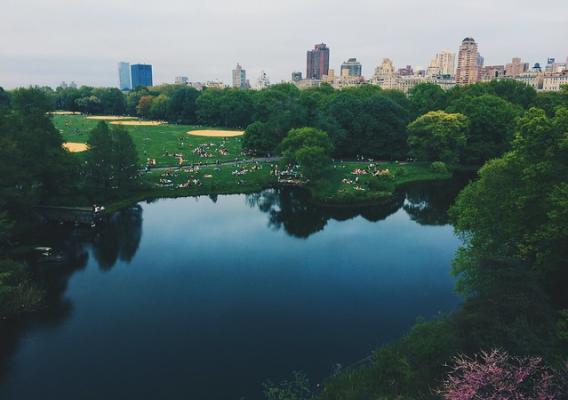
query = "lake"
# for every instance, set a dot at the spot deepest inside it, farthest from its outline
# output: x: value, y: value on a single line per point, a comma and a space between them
x: 208, y: 297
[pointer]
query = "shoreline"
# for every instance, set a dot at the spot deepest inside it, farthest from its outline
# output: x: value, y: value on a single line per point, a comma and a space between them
x: 128, y: 201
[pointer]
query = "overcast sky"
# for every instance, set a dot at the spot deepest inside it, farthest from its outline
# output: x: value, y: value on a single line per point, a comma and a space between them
x: 45, y: 42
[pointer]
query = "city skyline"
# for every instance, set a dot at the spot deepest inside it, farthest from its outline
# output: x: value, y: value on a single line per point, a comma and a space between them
x: 45, y: 53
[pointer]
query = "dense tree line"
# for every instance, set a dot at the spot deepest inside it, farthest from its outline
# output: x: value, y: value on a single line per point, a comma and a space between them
x: 36, y: 169
x: 362, y: 121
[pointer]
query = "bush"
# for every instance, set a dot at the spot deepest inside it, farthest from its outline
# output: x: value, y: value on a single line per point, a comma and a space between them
x: 439, y: 166
x: 17, y: 294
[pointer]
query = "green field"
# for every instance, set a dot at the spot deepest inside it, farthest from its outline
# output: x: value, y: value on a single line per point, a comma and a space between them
x: 341, y: 186
x: 160, y: 142
x: 338, y: 186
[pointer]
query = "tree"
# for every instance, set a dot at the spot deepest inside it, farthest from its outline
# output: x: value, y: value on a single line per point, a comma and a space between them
x: 526, y: 191
x: 308, y: 147
x: 495, y: 375
x: 111, y: 101
x: 514, y: 92
x: 373, y: 126
x: 33, y: 162
x: 125, y: 158
x: 438, y: 136
x: 427, y: 97
x: 143, y: 108
x: 492, y: 124
x: 182, y: 106
x: 159, y: 107
x: 99, y: 159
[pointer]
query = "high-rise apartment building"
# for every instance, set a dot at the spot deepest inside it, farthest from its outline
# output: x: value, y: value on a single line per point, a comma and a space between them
x: 124, y: 76
x: 469, y: 70
x: 351, y: 68
x: 141, y: 75
x: 446, y: 62
x: 317, y: 62
x: 516, y: 67
x: 240, y: 77
x: 385, y: 69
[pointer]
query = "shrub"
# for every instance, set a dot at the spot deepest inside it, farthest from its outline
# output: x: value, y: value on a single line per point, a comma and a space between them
x: 439, y: 166
x: 497, y: 375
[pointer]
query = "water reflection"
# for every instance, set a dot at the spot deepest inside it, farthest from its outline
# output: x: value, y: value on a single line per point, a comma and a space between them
x: 119, y: 238
x: 116, y: 240
x: 426, y: 203
x: 292, y: 210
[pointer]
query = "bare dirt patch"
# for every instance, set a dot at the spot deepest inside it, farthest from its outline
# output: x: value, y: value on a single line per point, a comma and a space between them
x: 110, y: 117
x: 139, y: 123
x: 216, y: 133
x: 74, y: 147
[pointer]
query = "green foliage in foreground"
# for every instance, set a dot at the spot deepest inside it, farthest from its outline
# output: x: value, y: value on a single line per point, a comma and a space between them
x: 526, y: 191
x: 17, y: 293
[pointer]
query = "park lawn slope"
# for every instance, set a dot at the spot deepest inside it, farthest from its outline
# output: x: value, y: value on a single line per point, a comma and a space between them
x: 159, y: 142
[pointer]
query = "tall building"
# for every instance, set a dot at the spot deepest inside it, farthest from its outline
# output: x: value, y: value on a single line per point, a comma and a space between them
x: 468, y: 70
x: 516, y: 67
x: 351, y: 68
x: 385, y: 69
x: 141, y: 75
x: 433, y: 68
x: 263, y: 81
x: 240, y: 77
x: 296, y: 76
x: 446, y: 62
x: 317, y: 62
x: 124, y: 76
x: 181, y: 80
x: 491, y: 72
x: 406, y: 71
x: 550, y: 64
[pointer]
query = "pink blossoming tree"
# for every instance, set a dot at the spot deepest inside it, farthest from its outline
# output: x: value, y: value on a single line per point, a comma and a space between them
x: 496, y: 375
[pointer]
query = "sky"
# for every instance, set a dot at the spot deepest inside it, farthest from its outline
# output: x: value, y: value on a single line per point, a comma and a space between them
x: 45, y: 42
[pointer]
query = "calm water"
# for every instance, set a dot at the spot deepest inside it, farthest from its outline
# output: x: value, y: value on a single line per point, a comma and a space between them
x: 206, y: 298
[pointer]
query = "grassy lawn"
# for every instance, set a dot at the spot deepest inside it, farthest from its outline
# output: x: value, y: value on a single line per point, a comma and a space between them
x: 341, y: 186
x: 211, y: 180
x: 338, y: 186
x: 157, y: 142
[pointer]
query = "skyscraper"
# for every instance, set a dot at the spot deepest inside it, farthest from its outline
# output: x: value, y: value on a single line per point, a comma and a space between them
x: 141, y: 75
x: 240, y: 77
x: 446, y: 62
x: 124, y: 76
x: 317, y: 62
x: 468, y: 70
x: 351, y: 68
